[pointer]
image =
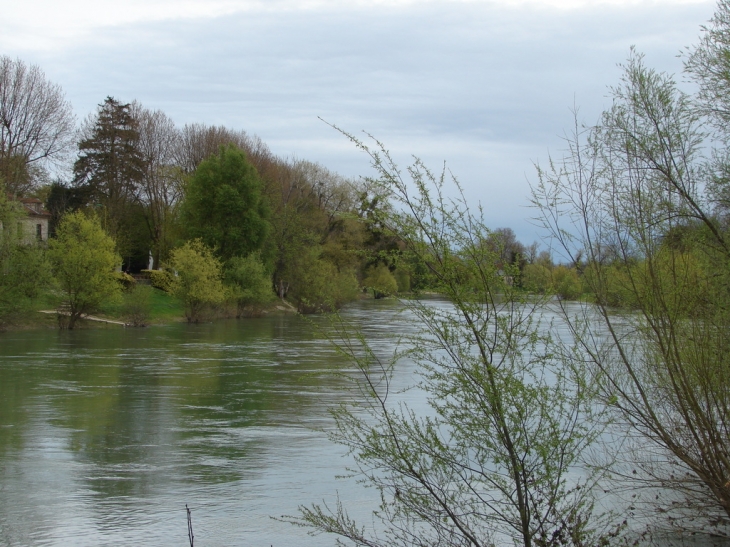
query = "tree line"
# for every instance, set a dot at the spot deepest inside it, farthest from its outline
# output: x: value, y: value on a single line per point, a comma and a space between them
x: 160, y: 191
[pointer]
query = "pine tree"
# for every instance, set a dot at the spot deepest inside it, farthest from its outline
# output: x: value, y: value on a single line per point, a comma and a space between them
x: 110, y: 164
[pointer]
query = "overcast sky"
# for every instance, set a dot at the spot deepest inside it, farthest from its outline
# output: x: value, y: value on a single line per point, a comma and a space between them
x: 487, y: 86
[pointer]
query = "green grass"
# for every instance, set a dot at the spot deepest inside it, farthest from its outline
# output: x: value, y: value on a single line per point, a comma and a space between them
x: 164, y: 308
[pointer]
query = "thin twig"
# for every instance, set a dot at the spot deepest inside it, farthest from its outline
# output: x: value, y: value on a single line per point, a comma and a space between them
x: 190, y: 526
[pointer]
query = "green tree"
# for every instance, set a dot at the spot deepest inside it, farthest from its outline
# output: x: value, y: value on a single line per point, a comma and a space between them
x: 84, y: 261
x: 566, y: 283
x: 249, y: 282
x: 63, y: 198
x: 629, y: 186
x: 198, y: 281
x: 491, y: 463
x: 313, y: 208
x: 224, y: 205
x: 537, y: 278
x: 379, y: 279
x: 317, y: 284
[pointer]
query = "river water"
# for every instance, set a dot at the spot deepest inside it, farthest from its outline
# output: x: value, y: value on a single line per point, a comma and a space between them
x: 106, y: 434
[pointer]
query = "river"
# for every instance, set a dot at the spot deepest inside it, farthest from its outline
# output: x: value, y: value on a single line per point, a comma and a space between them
x: 106, y: 434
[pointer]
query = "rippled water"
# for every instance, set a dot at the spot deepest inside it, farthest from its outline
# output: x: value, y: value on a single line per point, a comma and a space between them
x: 106, y: 434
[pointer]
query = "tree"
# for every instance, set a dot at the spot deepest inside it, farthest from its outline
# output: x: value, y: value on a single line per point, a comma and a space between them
x: 249, y: 282
x: 161, y: 186
x: 224, y: 205
x: 84, y: 261
x: 36, y: 124
x: 197, y: 280
x: 110, y: 163
x: 312, y: 208
x: 490, y: 465
x: 629, y: 197
x: 537, y: 278
x: 198, y: 142
x: 63, y: 198
x: 318, y: 285
x: 380, y: 280
x: 504, y: 243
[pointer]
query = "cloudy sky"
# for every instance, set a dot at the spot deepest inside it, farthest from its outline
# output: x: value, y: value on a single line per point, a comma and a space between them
x: 486, y: 85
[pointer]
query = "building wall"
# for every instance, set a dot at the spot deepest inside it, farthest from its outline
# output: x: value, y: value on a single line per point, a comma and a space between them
x: 32, y: 229
x: 31, y: 224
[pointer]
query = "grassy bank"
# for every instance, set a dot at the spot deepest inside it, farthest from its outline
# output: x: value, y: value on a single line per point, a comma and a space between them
x: 157, y: 307
x: 161, y: 307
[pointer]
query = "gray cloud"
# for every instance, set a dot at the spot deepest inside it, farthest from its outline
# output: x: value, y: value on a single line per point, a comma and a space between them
x: 488, y: 89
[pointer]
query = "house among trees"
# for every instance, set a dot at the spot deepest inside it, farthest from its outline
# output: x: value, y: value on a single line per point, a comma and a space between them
x: 33, y: 221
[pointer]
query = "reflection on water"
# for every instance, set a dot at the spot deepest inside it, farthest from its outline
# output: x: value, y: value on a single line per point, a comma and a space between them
x: 106, y: 434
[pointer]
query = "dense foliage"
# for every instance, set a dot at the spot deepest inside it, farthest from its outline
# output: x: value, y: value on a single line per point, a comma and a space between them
x: 224, y: 205
x: 197, y: 279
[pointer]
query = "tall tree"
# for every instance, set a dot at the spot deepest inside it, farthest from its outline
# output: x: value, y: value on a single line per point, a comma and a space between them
x: 111, y: 164
x: 224, y: 205
x: 504, y: 243
x: 307, y: 200
x: 161, y: 186
x: 199, y: 141
x: 36, y: 124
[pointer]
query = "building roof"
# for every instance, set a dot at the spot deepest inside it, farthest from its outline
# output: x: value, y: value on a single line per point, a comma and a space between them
x: 33, y: 206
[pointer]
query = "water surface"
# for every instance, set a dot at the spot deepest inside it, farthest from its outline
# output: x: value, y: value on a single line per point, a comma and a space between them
x: 106, y: 434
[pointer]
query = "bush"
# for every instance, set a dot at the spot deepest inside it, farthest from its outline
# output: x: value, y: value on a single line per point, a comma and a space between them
x: 537, y: 278
x: 161, y: 279
x: 566, y: 283
x: 403, y: 278
x: 249, y: 284
x: 380, y: 281
x: 126, y: 281
x: 321, y: 287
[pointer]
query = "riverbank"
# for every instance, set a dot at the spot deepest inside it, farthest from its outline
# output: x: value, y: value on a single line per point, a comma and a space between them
x: 163, y: 308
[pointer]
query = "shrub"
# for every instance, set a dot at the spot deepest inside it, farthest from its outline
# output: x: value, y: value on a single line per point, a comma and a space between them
x: 161, y: 279
x: 380, y: 281
x: 198, y: 282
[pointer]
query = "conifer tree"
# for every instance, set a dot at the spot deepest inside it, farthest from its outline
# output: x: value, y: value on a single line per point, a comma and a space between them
x: 111, y: 165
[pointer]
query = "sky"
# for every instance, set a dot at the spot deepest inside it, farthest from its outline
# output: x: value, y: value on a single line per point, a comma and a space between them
x: 487, y: 86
